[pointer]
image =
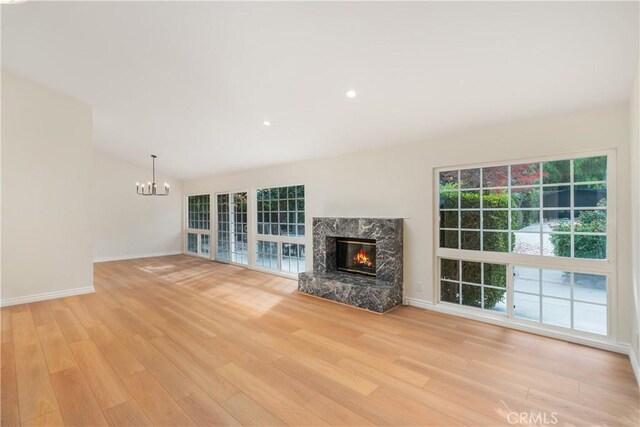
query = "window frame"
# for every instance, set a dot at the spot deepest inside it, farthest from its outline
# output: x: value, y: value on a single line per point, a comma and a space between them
x: 606, y: 267
x: 214, y: 243
x: 198, y: 231
x: 279, y: 239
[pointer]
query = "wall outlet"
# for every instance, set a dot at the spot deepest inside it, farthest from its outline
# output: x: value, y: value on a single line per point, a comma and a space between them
x: 419, y: 286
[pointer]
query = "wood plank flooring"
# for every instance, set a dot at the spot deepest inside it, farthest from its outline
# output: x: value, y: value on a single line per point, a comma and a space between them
x: 183, y: 341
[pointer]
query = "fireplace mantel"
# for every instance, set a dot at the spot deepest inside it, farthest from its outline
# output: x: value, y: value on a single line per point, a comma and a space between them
x: 379, y: 293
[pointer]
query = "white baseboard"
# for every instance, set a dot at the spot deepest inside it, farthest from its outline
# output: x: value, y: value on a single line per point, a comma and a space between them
x: 633, y: 356
x: 46, y: 296
x: 508, y: 323
x: 123, y: 257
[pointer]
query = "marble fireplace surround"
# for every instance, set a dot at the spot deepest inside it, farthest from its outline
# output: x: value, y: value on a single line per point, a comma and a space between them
x: 378, y: 294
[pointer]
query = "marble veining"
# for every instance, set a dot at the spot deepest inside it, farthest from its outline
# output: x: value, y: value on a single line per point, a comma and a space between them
x: 379, y: 293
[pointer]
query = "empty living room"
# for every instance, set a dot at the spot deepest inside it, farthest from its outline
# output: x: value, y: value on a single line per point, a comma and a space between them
x: 230, y: 213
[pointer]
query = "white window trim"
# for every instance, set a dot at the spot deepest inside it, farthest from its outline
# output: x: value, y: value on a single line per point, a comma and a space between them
x: 214, y: 226
x: 276, y: 238
x: 198, y: 231
x: 607, y: 267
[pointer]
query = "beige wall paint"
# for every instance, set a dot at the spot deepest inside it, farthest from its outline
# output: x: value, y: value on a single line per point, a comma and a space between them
x: 46, y: 191
x: 126, y: 225
x: 635, y: 221
x: 398, y: 182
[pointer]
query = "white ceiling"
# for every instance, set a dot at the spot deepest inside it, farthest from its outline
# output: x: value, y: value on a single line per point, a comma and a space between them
x: 193, y: 82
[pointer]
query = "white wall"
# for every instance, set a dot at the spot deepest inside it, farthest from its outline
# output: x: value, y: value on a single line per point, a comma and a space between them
x: 635, y: 222
x: 126, y: 225
x: 46, y: 192
x: 398, y: 182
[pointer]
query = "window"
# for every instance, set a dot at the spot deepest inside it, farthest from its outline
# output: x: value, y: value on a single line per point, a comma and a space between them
x: 475, y: 284
x: 529, y: 240
x: 239, y: 228
x: 280, y: 225
x: 267, y: 255
x: 553, y: 208
x: 561, y: 298
x: 232, y: 227
x: 198, y: 225
x: 192, y: 243
x: 292, y: 257
x: 198, y: 212
x: 281, y: 211
x: 222, y: 247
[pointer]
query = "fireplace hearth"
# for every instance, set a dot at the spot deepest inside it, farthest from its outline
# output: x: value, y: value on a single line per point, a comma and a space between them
x: 356, y: 261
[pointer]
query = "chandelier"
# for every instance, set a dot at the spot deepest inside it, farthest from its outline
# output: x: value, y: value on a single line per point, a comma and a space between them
x: 151, y: 188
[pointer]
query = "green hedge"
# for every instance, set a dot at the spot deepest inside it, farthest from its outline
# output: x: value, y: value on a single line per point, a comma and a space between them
x: 589, y: 221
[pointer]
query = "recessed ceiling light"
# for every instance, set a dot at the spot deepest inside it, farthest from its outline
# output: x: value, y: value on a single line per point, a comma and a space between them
x: 266, y: 123
x: 351, y: 93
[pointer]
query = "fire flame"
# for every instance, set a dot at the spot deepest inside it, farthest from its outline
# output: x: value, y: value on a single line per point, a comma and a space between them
x: 362, y: 258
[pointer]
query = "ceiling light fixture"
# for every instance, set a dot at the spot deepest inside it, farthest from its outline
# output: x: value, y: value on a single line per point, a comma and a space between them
x: 351, y: 93
x: 267, y: 123
x: 151, y: 188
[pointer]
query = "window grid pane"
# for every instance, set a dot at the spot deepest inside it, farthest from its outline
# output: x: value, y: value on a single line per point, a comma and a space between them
x: 222, y: 243
x: 561, y: 298
x: 267, y: 254
x: 281, y: 211
x: 554, y: 208
x: 293, y: 256
x: 475, y: 284
x: 198, y: 212
x: 238, y: 227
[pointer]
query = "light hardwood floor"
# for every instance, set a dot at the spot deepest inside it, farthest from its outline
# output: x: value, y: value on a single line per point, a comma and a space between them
x: 182, y: 341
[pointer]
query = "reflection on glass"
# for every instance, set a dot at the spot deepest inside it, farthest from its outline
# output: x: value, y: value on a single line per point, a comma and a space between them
x: 470, y: 178
x: 525, y: 174
x: 526, y: 279
x: 470, y: 199
x: 495, y: 275
x: 449, y: 292
x: 556, y: 172
x: 495, y: 299
x: 497, y: 176
x: 471, y: 272
x: 449, y: 239
x: 556, y: 312
x: 449, y: 269
x: 589, y: 169
x: 470, y: 240
x: 448, y: 180
x: 449, y: 200
x: 495, y: 220
x: 556, y: 220
x: 555, y: 244
x: 192, y: 242
x: 471, y: 220
x: 556, y: 196
x: 590, y: 317
x: 590, y: 288
x: 496, y: 198
x: 448, y: 219
x: 525, y: 197
x: 592, y: 247
x: 591, y: 221
x: 471, y: 295
x: 591, y: 195
x: 495, y: 241
x: 556, y: 283
x: 525, y: 220
x: 526, y: 306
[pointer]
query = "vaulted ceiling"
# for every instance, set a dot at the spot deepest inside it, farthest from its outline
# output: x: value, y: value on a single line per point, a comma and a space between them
x: 193, y: 82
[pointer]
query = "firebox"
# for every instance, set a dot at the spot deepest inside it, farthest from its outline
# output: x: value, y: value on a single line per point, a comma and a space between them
x: 356, y: 255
